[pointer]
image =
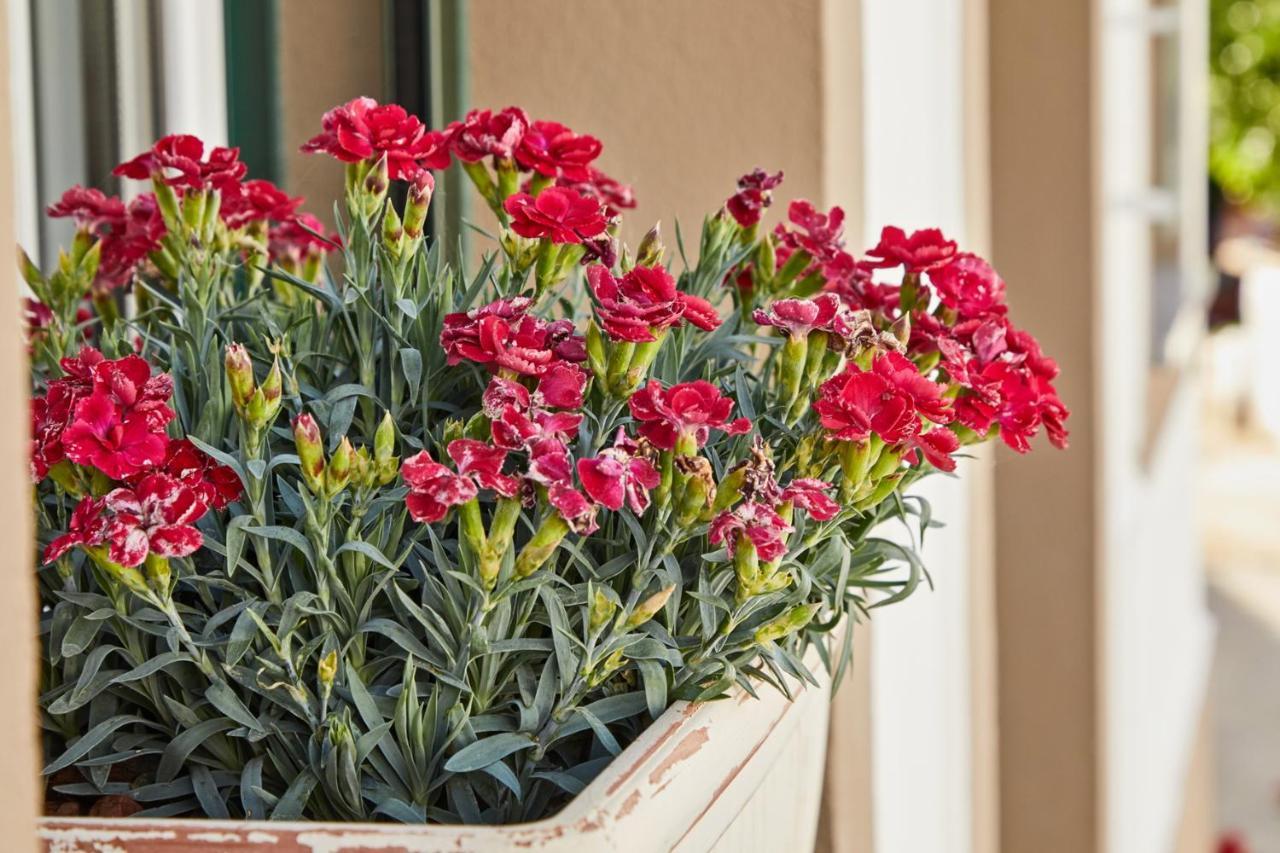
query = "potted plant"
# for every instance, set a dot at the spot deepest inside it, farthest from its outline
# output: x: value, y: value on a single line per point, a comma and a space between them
x: 554, y: 549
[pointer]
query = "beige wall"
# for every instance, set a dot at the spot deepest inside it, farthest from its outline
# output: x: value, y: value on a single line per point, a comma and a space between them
x: 18, y: 762
x: 330, y: 52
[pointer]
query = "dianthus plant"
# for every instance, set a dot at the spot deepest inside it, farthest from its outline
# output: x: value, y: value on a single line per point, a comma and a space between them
x: 418, y: 544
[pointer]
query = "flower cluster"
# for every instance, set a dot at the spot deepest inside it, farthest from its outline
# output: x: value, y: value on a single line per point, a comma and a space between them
x: 622, y: 483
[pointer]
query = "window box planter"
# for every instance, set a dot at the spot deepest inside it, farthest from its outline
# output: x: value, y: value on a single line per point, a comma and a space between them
x: 709, y: 776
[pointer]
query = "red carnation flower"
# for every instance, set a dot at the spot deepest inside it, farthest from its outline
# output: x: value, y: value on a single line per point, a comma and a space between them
x: 922, y: 251
x: 362, y: 129
x: 819, y: 234
x: 87, y: 528
x: 257, y: 201
x: 300, y: 237
x: 483, y: 463
x: 433, y: 488
x: 484, y: 133
x: 970, y: 286
x: 753, y: 197
x: 760, y: 524
x: 215, y: 485
x: 687, y: 411
x: 936, y: 445
x: 799, y: 317
x: 91, y: 208
x: 180, y: 160
x: 503, y: 336
x: 155, y: 517
x: 612, y: 195
x: 117, y: 444
x: 888, y: 400
x: 549, y: 148
x: 644, y: 301
x: 557, y: 214
x: 574, y: 508
x: 811, y: 495
x: 561, y: 386
x: 619, y: 475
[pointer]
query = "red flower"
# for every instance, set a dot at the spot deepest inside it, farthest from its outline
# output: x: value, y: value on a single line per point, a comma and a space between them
x: 753, y: 196
x: 617, y: 474
x: 483, y: 463
x: 88, y: 527
x: 760, y: 524
x: 557, y: 214
x: 612, y: 195
x: 644, y: 301
x: 920, y: 252
x: 551, y: 149
x: 116, y: 443
x: 257, y: 201
x: 811, y: 496
x: 433, y: 488
x: 484, y: 133
x: 799, y: 317
x: 821, y: 235
x: 561, y: 387
x: 970, y: 286
x: 515, y: 430
x: 180, y: 160
x: 936, y: 445
x: 574, y: 508
x: 361, y: 129
x: 91, y: 209
x: 299, y: 237
x: 155, y: 517
x: 687, y: 411
x: 215, y: 485
x: 888, y: 400
x: 503, y: 336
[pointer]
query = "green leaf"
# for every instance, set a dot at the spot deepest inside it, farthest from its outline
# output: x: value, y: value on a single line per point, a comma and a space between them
x: 482, y: 753
x: 175, y: 754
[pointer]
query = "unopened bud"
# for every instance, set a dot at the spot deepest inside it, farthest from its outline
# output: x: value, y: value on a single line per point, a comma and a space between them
x: 649, y: 254
x: 602, y: 609
x: 158, y: 574
x: 327, y: 670
x: 385, y: 463
x: 362, y: 473
x: 788, y: 623
x: 648, y: 608
x: 378, y: 179
x: 392, y: 233
x: 307, y: 441
x: 902, y: 329
x: 239, y: 376
x: 338, y: 474
x: 418, y: 203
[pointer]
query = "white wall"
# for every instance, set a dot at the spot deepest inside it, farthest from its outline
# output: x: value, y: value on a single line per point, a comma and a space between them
x: 920, y: 669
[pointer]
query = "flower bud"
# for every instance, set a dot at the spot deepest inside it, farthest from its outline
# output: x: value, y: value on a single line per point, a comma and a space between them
x: 392, y: 232
x: 697, y: 486
x: 377, y: 180
x: 602, y: 609
x: 362, y: 473
x: 648, y: 608
x: 306, y: 438
x: 385, y: 463
x: 649, y: 254
x: 265, y: 404
x: 788, y: 623
x: 327, y: 670
x: 596, y: 358
x: 158, y: 574
x: 730, y: 489
x: 338, y: 474
x: 418, y: 203
x: 239, y: 376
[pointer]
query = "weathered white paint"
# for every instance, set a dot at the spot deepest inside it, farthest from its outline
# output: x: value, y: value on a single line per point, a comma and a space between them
x: 740, y: 775
x: 193, y: 69
x: 914, y: 177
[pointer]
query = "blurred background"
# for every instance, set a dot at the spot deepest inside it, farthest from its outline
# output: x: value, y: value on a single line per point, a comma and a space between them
x: 1098, y: 667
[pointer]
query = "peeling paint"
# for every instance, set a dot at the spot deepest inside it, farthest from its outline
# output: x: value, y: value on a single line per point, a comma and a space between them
x: 688, y: 746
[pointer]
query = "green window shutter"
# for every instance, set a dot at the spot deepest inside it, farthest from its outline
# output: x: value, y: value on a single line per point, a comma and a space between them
x: 253, y: 85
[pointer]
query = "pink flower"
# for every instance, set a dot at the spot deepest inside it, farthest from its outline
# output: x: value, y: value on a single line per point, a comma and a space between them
x: 760, y: 524
x: 811, y: 496
x: 180, y: 160
x: 433, y: 488
x: 299, y: 237
x: 362, y: 129
x: 155, y: 517
x: 799, y: 317
x: 551, y: 149
x: 753, y: 196
x: 503, y: 336
x: 856, y: 403
x: 644, y: 301
x: 617, y: 474
x: 128, y: 234
x: 686, y: 411
x: 821, y: 235
x: 925, y: 395
x: 557, y: 214
x: 970, y: 286
x: 920, y: 252
x: 574, y: 508
x: 484, y: 133
x: 116, y: 443
x: 561, y: 386
x: 483, y: 464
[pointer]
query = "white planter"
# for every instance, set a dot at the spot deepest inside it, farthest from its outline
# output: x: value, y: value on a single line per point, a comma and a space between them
x: 739, y: 775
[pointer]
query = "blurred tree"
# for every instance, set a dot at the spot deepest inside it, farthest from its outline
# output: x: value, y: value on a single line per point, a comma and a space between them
x: 1244, y: 63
